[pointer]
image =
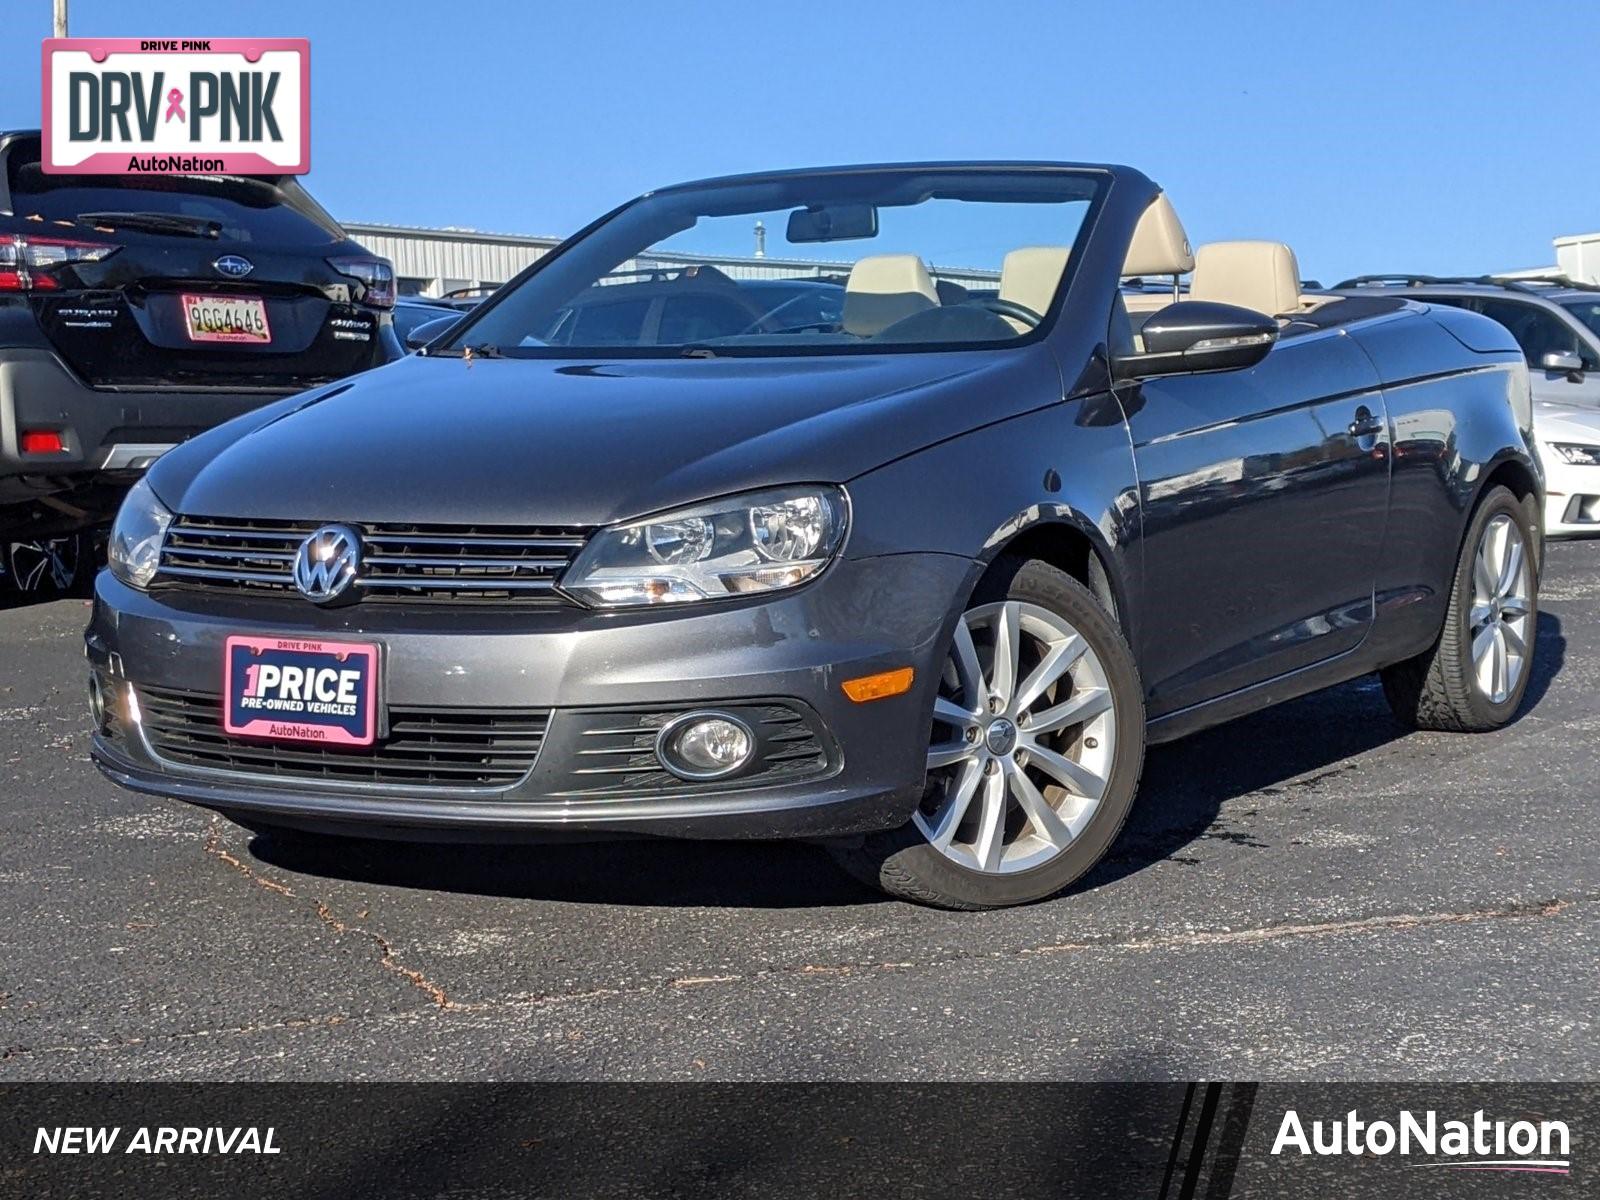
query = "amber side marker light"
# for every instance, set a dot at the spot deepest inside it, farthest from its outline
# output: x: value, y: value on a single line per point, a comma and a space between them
x: 879, y: 686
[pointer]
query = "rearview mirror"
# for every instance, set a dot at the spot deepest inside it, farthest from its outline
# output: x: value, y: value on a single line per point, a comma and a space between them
x: 1198, y: 335
x: 833, y: 223
x: 428, y: 331
x: 1562, y: 360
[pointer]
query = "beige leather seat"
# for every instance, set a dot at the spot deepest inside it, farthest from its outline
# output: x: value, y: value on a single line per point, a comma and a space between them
x: 1259, y: 275
x: 1159, y: 246
x: 883, y: 289
x: 1029, y: 276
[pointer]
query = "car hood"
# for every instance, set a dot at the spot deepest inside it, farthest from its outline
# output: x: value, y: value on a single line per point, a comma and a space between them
x: 529, y: 441
x: 1566, y: 423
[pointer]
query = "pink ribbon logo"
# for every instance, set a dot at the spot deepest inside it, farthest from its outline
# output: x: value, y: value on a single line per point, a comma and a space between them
x: 175, y: 106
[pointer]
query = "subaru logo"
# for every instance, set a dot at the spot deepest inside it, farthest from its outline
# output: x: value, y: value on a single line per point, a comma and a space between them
x: 326, y: 563
x: 234, y: 266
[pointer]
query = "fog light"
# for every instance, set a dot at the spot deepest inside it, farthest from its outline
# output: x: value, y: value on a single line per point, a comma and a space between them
x: 97, y: 701
x: 705, y: 745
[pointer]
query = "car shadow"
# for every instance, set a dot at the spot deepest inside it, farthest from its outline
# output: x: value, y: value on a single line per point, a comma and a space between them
x: 1295, y: 745
x: 653, y: 873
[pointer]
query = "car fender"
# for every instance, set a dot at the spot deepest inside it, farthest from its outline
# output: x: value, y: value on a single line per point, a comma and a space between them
x: 1067, y: 466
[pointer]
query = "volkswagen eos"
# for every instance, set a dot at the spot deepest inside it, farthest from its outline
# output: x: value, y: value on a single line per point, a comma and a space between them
x: 918, y: 575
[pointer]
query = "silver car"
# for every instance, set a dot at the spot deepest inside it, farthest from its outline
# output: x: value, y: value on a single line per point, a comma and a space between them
x: 1557, y: 323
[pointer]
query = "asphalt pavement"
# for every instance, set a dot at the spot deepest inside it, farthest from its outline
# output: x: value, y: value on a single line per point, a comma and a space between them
x: 1309, y: 893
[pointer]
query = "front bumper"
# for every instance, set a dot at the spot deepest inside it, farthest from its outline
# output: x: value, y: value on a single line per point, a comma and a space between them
x: 1572, y: 498
x: 791, y: 652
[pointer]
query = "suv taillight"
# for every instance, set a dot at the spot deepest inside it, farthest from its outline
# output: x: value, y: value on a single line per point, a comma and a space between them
x: 26, y: 263
x: 376, y: 276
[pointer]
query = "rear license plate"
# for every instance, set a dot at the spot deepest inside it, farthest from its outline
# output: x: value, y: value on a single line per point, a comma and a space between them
x: 226, y: 319
x: 295, y: 690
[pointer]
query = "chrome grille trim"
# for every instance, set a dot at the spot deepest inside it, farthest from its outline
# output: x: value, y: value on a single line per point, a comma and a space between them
x: 419, y: 563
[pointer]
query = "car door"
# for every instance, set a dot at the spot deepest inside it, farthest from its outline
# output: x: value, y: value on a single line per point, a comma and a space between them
x: 1539, y: 332
x: 1264, y: 497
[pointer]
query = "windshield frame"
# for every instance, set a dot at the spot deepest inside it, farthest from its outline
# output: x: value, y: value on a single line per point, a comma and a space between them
x: 460, y: 341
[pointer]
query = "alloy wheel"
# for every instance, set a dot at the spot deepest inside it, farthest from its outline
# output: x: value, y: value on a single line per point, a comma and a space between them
x: 1501, y: 616
x: 1024, y: 736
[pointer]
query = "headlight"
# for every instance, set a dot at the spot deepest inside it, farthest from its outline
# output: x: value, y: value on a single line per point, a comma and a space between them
x: 757, y: 542
x: 1578, y: 456
x: 135, y: 549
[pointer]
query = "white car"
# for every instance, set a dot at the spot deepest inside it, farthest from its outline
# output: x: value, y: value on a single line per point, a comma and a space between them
x: 1569, y: 444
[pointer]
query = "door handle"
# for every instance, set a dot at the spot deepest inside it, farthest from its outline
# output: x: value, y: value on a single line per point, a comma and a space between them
x: 1365, y: 424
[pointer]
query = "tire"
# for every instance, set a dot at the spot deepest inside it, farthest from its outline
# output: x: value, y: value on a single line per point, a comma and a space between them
x: 1446, y: 688
x: 1024, y: 855
x: 46, y: 568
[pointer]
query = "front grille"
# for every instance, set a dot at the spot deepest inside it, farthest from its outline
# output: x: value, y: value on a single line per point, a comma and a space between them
x: 399, y: 562
x: 613, y: 752
x: 439, y: 749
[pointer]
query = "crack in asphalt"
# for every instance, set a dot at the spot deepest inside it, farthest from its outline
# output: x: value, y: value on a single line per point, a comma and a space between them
x: 1395, y: 922
x: 386, y: 953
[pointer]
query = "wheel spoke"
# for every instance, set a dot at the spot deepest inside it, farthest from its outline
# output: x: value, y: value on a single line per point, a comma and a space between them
x: 967, y: 668
x: 958, y: 796
x: 1501, y: 665
x: 1046, y: 822
x: 1058, y: 660
x: 950, y: 713
x: 1483, y: 572
x: 1481, y: 614
x: 1083, y: 705
x: 1483, y: 642
x: 1007, y: 639
x: 1075, y: 777
x: 1515, y: 606
x: 1511, y: 566
x: 990, y: 844
x: 1513, y: 640
x: 945, y: 754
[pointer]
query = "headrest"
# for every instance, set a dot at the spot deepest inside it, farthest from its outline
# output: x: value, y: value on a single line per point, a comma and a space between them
x: 883, y: 289
x: 1259, y: 275
x: 1159, y: 245
x: 1030, y: 275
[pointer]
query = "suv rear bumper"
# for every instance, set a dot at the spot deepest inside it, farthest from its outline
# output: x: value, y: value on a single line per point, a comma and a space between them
x: 108, y: 436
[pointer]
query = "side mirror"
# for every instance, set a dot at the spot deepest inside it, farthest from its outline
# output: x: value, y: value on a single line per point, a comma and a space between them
x: 1198, y: 335
x: 428, y: 331
x: 1565, y: 361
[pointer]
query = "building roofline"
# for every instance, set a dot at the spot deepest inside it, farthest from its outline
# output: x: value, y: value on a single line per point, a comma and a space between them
x: 462, y: 235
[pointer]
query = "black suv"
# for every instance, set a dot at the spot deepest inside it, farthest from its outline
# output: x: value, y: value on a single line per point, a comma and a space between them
x: 138, y: 311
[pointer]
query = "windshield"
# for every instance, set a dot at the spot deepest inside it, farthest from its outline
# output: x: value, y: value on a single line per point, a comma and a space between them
x: 909, y: 259
x: 1587, y: 311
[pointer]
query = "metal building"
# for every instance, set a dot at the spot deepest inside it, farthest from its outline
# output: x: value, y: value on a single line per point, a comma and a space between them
x: 431, y: 262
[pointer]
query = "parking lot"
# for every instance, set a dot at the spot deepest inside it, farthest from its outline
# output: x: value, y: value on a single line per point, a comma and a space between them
x: 1308, y: 893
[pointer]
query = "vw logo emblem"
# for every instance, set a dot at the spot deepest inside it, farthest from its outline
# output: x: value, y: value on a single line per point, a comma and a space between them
x: 233, y: 266
x: 326, y: 563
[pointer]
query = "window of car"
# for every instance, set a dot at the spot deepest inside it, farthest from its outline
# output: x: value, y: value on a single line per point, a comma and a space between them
x: 687, y: 319
x: 614, y: 323
x: 898, y: 237
x: 247, y: 209
x: 1537, y: 330
x: 1587, y: 311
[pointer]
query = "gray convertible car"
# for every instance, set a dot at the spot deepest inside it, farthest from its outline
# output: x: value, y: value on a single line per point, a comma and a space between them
x: 919, y: 577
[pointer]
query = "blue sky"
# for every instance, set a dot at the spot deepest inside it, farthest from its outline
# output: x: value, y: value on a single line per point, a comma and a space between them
x: 1433, y: 135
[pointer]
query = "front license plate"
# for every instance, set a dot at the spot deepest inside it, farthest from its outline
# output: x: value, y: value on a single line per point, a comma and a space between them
x: 226, y: 319
x: 295, y: 690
